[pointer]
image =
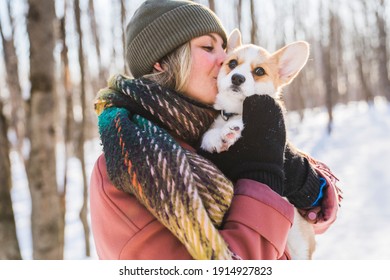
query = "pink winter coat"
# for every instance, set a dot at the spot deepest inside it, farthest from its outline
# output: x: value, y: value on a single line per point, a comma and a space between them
x: 256, y: 225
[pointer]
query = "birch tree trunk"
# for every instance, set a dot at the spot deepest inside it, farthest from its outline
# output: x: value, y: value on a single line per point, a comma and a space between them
x: 69, y: 118
x: 362, y: 43
x: 383, y: 57
x: 17, y: 118
x: 9, y: 246
x: 101, y: 79
x: 41, y: 164
x: 123, y: 26
x: 239, y: 14
x: 326, y: 43
x: 80, y: 152
x: 254, y: 29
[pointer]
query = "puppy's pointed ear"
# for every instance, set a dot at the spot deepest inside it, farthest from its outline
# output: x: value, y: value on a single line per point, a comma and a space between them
x: 291, y: 59
x: 234, y: 40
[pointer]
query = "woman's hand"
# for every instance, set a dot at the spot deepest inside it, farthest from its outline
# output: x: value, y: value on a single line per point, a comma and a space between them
x: 312, y: 215
x: 302, y: 185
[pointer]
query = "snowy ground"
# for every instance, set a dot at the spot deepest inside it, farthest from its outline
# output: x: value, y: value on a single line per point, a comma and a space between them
x: 358, y: 151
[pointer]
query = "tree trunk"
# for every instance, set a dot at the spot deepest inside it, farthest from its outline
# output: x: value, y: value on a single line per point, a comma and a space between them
x: 123, y: 26
x: 212, y: 5
x: 384, y: 81
x: 361, y: 44
x: 81, y: 154
x: 254, y: 35
x: 326, y: 63
x: 96, y: 41
x: 367, y: 92
x: 69, y: 118
x: 239, y: 14
x: 18, y: 113
x: 9, y: 246
x: 328, y: 87
x: 294, y: 93
x: 41, y: 164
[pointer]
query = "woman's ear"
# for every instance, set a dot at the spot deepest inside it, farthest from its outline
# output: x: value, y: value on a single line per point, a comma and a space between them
x: 157, y: 67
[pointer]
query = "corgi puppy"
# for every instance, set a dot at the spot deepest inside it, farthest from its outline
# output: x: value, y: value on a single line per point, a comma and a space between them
x: 247, y: 70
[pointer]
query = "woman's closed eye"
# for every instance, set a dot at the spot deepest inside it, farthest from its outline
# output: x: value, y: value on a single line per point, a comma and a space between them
x: 208, y: 48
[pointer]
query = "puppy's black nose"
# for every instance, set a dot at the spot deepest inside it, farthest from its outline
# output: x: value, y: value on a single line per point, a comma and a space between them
x: 238, y: 79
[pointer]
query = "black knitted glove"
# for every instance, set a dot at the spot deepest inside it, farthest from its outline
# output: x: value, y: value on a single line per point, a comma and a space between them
x: 258, y: 154
x: 302, y: 185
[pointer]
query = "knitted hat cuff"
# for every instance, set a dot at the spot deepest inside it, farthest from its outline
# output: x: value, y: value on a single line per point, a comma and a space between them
x: 166, y: 33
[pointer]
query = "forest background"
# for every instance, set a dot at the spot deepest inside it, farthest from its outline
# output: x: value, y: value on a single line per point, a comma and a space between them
x: 55, y: 55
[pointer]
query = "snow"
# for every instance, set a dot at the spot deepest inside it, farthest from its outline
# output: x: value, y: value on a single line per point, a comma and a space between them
x: 357, y: 151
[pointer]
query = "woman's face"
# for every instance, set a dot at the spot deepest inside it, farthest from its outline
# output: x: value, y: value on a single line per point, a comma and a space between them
x: 207, y: 54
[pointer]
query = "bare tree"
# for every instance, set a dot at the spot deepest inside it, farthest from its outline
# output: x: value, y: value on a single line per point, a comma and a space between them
x: 123, y: 24
x: 212, y: 5
x: 41, y: 164
x: 9, y: 246
x: 69, y: 118
x: 383, y: 58
x: 96, y: 42
x: 329, y: 58
x: 12, y: 72
x: 294, y: 93
x: 239, y: 14
x: 254, y: 29
x: 80, y: 152
x: 113, y: 23
x: 361, y: 45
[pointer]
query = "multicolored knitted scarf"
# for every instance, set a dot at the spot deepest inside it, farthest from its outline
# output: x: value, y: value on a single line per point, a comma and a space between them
x: 184, y: 191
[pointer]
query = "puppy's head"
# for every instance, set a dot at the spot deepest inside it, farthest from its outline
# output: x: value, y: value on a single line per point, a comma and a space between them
x: 250, y: 69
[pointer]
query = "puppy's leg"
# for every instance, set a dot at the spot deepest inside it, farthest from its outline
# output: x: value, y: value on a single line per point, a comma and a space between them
x: 211, y: 140
x: 222, y: 135
x: 301, y: 239
x: 231, y: 132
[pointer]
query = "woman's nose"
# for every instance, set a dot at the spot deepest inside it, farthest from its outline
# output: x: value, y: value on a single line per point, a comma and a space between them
x: 221, y: 57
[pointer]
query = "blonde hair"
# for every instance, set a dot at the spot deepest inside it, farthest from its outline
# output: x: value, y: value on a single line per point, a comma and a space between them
x: 176, y: 69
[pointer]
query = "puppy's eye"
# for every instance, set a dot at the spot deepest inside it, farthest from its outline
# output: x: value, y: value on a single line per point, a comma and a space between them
x: 259, y: 71
x: 233, y: 64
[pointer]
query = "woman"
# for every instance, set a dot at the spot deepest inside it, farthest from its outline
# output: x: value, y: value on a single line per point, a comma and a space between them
x: 152, y: 195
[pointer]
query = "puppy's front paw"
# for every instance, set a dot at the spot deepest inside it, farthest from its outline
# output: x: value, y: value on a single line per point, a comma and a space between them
x: 231, y: 132
x: 215, y: 141
x: 212, y: 141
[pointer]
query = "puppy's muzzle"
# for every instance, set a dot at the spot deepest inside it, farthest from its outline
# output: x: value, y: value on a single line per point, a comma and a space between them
x: 238, y: 79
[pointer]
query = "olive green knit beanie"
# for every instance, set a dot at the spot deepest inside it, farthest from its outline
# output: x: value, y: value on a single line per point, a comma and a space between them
x: 160, y: 26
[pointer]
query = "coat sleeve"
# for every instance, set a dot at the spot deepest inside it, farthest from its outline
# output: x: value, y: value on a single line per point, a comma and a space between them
x: 332, y: 197
x: 255, y: 227
x: 258, y: 222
